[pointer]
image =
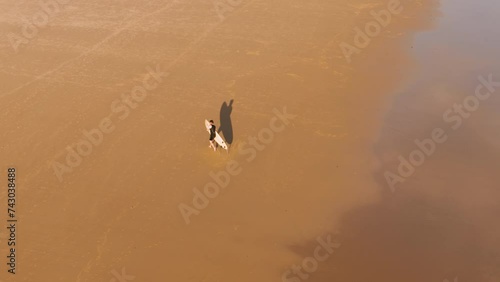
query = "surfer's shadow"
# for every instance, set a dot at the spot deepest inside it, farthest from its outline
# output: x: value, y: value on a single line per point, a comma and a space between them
x: 226, y: 126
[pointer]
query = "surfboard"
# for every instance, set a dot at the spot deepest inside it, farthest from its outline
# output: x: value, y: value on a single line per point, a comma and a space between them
x: 218, y: 138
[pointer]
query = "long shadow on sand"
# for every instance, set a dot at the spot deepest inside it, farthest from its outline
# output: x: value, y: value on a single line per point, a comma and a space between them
x: 226, y: 127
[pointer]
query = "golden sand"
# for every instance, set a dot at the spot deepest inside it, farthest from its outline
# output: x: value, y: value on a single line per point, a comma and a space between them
x: 115, y: 208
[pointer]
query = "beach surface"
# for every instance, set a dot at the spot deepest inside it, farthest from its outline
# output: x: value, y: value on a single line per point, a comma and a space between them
x: 103, y: 111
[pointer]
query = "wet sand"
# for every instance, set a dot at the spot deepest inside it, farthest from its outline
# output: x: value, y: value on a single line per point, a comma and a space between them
x: 118, y: 207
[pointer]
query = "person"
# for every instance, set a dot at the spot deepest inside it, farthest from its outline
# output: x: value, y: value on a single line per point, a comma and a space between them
x: 213, y: 130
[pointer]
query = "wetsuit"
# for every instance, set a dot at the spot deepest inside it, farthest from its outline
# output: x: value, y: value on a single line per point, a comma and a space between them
x: 212, y: 132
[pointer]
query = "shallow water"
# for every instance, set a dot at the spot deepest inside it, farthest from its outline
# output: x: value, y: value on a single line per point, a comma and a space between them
x: 467, y: 31
x: 439, y: 147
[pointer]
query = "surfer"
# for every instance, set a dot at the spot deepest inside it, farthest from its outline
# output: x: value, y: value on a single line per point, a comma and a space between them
x: 213, y: 130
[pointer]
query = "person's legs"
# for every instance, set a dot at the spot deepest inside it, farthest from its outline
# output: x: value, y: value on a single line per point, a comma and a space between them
x: 212, y: 145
